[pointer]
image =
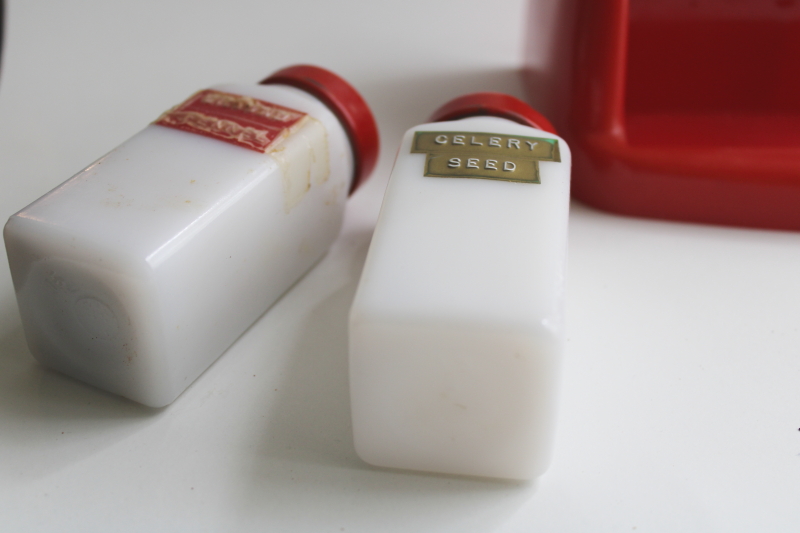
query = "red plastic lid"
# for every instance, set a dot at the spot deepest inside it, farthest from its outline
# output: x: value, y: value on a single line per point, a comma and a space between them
x: 493, y: 104
x: 348, y: 106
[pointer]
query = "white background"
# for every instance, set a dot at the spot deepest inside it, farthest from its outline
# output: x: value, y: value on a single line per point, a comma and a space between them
x: 681, y: 389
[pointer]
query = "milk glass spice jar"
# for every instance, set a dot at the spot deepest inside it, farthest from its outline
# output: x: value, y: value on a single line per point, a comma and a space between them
x: 141, y: 270
x: 457, y: 328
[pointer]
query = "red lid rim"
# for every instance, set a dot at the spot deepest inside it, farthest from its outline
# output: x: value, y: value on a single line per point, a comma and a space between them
x: 349, y: 107
x: 492, y: 104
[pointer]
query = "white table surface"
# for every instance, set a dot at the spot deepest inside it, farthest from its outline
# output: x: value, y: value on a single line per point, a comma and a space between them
x: 681, y: 388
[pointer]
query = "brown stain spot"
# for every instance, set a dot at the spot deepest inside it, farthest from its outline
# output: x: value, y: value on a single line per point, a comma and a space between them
x: 192, y: 181
x: 188, y: 201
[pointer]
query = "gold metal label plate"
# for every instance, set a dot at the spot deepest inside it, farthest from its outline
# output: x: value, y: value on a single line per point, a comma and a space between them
x: 492, y: 156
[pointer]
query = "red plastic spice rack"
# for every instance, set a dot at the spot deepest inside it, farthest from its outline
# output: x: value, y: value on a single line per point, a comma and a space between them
x: 687, y: 109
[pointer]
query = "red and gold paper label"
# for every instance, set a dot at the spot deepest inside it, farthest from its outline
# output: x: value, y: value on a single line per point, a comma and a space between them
x: 235, y: 119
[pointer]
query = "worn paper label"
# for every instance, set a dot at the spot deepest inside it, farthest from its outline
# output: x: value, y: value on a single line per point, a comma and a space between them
x: 235, y: 119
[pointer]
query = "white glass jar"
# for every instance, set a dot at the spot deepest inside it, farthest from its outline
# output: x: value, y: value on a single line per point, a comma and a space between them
x: 457, y: 328
x: 141, y: 270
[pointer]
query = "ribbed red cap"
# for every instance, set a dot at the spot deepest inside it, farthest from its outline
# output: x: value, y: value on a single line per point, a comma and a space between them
x: 492, y: 104
x: 348, y: 106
